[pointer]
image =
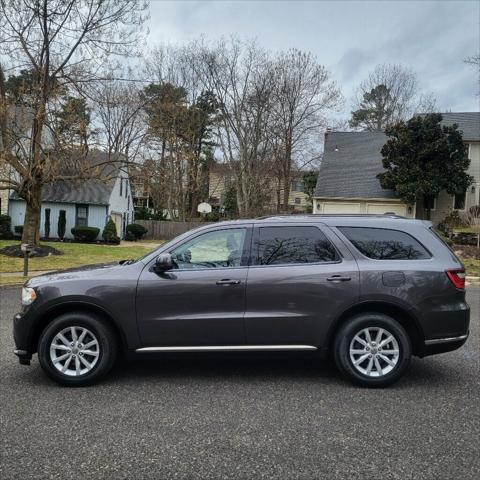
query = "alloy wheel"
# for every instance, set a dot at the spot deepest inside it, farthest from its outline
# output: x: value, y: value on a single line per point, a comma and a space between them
x: 374, y: 352
x: 74, y: 351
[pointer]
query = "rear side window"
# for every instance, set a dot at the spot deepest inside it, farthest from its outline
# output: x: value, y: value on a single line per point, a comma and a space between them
x: 286, y: 245
x: 385, y: 244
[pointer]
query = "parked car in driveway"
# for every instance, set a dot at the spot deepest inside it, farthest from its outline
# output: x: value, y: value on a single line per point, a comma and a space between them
x: 370, y: 291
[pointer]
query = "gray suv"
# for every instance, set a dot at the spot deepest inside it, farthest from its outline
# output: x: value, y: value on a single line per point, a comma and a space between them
x: 370, y: 291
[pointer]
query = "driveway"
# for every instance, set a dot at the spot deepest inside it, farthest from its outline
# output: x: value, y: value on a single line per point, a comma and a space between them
x: 241, y: 416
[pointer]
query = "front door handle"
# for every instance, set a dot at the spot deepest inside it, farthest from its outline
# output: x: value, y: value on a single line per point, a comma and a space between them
x: 338, y: 278
x: 227, y: 281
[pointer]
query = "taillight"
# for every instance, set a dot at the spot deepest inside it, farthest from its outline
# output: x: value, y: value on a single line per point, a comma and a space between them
x: 457, y: 277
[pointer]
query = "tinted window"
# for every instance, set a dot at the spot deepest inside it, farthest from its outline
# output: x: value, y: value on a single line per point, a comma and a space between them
x: 283, y: 245
x: 218, y: 249
x: 383, y: 244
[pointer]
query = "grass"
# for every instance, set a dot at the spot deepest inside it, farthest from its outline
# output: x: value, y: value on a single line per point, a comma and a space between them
x: 74, y: 255
x: 472, y: 266
x: 475, y: 230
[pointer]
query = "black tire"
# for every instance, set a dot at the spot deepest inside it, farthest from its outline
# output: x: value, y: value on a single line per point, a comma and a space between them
x: 350, y: 329
x: 107, y: 348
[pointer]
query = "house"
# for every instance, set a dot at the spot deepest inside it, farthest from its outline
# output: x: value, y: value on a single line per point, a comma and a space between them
x: 140, y: 178
x: 221, y: 177
x: 469, y: 124
x: 348, y: 183
x: 87, y: 202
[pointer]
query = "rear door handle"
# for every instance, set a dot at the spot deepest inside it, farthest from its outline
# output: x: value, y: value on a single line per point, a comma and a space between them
x: 227, y: 281
x: 338, y: 278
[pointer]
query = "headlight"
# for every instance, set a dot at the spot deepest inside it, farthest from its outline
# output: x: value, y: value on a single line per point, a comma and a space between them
x: 28, y: 295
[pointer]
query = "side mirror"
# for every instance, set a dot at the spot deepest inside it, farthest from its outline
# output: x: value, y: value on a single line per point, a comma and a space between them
x: 163, y: 262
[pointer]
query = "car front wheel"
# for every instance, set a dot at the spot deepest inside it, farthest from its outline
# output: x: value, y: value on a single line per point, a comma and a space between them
x: 372, y: 349
x: 77, y: 349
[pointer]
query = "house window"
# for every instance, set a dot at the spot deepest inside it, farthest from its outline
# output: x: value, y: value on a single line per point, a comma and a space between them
x: 121, y: 186
x: 459, y: 201
x: 126, y: 187
x: 429, y: 202
x: 81, y: 216
x: 298, y: 200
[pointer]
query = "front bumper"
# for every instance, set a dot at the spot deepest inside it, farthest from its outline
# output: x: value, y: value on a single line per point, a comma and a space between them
x: 23, y: 327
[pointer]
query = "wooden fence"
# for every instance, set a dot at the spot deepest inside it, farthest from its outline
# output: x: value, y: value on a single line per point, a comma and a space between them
x: 161, y: 230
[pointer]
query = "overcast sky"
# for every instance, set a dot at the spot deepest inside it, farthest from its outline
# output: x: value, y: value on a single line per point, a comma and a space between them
x: 348, y: 37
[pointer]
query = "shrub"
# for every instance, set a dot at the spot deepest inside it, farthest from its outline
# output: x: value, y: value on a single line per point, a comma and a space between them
x: 62, y: 223
x: 47, y: 222
x: 130, y: 237
x: 109, y: 233
x: 85, y: 234
x: 213, y: 216
x: 18, y: 230
x: 5, y: 227
x: 451, y: 221
x: 138, y: 231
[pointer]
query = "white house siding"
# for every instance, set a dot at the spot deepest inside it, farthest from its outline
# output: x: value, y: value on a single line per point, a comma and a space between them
x: 120, y: 204
x: 444, y: 203
x: 473, y: 197
x: 360, y: 205
x: 97, y: 216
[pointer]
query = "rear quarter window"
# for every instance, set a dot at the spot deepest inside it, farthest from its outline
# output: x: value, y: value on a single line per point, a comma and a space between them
x: 385, y: 244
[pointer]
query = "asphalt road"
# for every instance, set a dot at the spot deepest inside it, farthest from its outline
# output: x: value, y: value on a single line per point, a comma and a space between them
x: 221, y: 416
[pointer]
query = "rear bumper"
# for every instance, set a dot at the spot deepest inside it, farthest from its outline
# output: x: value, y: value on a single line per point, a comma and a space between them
x: 442, y: 345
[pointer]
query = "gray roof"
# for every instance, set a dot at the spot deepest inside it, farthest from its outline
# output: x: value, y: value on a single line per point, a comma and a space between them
x: 468, y: 123
x: 350, y: 165
x: 91, y: 191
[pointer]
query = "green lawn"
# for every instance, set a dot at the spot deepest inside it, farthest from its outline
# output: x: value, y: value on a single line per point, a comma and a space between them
x: 74, y: 255
x: 472, y: 266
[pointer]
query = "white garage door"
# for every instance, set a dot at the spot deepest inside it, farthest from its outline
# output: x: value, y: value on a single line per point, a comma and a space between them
x: 332, y: 207
x: 381, y: 208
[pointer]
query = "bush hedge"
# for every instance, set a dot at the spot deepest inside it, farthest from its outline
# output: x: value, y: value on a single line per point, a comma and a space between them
x: 5, y: 227
x: 18, y: 229
x: 85, y: 234
x: 62, y: 223
x: 136, y: 231
x: 109, y: 233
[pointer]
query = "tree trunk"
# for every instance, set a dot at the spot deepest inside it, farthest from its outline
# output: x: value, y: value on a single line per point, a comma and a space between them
x: 31, y: 224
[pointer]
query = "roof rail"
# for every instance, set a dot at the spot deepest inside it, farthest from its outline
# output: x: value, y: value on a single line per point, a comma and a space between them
x: 317, y: 215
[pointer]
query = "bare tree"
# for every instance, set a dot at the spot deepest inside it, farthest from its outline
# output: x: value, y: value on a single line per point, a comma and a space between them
x: 62, y: 42
x: 120, y: 116
x: 474, y: 60
x: 303, y: 95
x: 388, y: 95
x: 242, y: 78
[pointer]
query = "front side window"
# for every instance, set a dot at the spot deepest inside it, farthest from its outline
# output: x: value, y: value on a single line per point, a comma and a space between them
x: 385, y: 244
x: 81, y: 219
x: 287, y: 245
x: 218, y: 249
x: 459, y: 201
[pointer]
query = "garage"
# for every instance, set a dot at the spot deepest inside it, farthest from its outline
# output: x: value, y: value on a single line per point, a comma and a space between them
x: 341, y: 207
x: 381, y: 208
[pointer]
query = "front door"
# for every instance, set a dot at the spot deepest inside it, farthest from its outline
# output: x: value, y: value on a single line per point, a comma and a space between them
x: 298, y: 284
x: 202, y: 300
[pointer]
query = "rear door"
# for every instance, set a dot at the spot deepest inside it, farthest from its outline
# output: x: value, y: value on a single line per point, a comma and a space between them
x: 298, y: 284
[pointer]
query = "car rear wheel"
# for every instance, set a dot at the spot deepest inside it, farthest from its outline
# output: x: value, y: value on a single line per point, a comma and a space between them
x: 77, y: 349
x: 372, y: 349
